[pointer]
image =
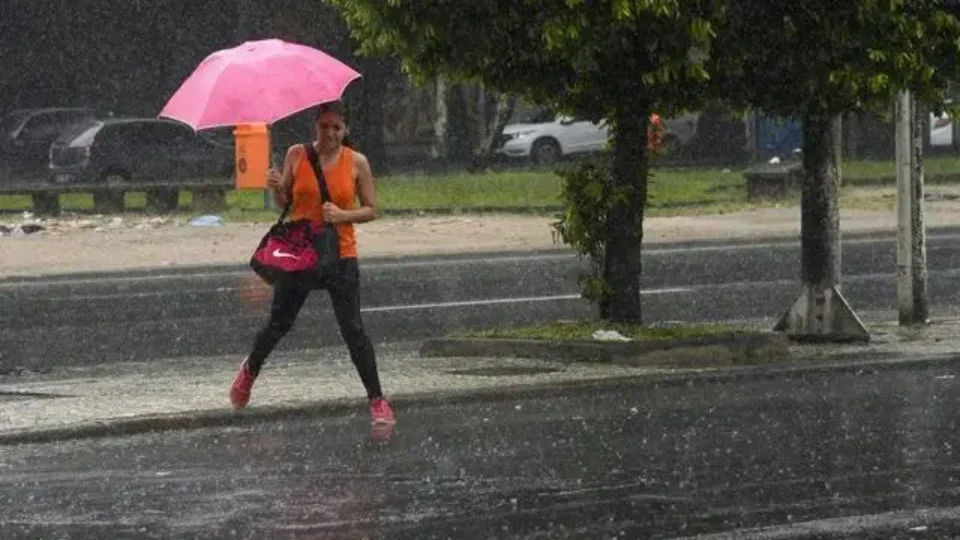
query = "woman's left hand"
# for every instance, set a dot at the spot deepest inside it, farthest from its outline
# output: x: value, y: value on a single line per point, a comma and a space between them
x: 333, y: 213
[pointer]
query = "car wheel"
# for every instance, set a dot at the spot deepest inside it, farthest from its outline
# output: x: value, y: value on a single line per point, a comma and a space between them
x: 545, y: 152
x: 112, y: 199
x: 163, y: 200
x: 209, y: 199
x: 46, y: 204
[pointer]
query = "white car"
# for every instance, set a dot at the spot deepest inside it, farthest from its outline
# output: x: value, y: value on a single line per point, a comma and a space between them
x: 941, y: 130
x: 543, y: 137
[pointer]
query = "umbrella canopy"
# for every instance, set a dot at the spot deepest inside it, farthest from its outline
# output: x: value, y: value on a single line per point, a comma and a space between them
x: 258, y: 82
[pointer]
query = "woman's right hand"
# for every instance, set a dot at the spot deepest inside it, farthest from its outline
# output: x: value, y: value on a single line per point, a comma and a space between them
x: 274, y: 179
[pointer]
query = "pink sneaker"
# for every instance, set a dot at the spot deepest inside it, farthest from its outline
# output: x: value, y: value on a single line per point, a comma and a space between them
x: 381, y: 412
x: 242, y: 386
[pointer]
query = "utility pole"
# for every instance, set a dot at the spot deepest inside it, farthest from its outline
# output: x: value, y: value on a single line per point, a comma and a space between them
x: 911, y: 233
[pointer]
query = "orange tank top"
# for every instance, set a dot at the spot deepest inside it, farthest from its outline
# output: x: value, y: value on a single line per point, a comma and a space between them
x: 342, y: 185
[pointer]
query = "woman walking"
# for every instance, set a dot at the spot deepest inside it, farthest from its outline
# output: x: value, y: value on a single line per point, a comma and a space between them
x: 349, y: 178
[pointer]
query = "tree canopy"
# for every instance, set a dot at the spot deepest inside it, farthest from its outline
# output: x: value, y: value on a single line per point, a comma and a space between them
x: 827, y: 58
x: 612, y: 60
x: 579, y: 55
x: 621, y: 60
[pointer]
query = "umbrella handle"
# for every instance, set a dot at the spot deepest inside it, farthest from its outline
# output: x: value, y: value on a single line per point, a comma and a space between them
x: 270, y: 152
x: 271, y: 163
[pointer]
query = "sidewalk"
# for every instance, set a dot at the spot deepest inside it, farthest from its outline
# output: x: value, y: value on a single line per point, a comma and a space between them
x: 187, y: 393
x: 178, y: 392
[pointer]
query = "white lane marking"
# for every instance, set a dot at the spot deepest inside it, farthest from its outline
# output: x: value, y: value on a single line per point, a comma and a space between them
x: 401, y: 307
x: 186, y: 273
x: 649, y: 250
x: 889, y: 521
x: 784, y: 243
x: 787, y: 282
x: 498, y: 301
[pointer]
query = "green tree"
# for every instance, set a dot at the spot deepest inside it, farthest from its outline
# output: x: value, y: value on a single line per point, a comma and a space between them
x: 616, y: 60
x: 815, y: 61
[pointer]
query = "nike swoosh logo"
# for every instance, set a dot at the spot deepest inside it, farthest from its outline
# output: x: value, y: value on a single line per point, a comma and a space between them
x: 281, y: 255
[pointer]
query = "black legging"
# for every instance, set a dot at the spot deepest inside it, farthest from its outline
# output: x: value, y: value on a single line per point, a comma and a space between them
x: 344, y: 289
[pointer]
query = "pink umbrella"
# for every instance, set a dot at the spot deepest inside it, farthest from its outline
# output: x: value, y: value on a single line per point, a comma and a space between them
x: 258, y: 82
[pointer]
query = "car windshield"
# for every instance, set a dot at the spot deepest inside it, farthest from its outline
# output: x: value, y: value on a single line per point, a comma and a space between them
x: 538, y: 116
x: 81, y: 133
x: 222, y: 137
x: 11, y: 122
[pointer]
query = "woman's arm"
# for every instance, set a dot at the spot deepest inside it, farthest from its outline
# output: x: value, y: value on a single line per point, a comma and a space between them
x: 283, y: 190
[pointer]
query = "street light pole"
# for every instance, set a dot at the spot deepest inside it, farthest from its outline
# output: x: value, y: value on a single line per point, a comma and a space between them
x: 911, y: 233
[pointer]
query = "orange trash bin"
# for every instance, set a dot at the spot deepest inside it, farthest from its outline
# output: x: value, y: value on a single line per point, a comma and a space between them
x: 252, y: 155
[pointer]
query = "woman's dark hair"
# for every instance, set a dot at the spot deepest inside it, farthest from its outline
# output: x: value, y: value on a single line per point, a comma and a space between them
x: 337, y: 107
x: 332, y: 106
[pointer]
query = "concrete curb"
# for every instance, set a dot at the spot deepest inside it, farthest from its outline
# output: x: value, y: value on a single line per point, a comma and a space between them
x: 751, y: 348
x: 846, y: 363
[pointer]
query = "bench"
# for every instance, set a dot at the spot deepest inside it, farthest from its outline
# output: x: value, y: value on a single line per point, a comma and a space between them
x: 773, y: 181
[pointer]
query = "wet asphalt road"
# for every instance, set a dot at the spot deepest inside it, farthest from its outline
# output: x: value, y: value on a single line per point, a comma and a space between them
x: 145, y: 316
x: 870, y: 455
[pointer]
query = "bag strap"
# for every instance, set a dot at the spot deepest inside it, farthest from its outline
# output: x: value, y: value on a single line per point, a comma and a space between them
x: 318, y: 173
x: 283, y: 215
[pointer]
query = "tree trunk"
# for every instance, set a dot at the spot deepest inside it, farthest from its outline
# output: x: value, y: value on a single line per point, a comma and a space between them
x: 481, y: 117
x: 622, y: 266
x: 506, y: 104
x: 750, y: 132
x: 820, y: 216
x: 821, y: 313
x: 461, y: 125
x: 440, y: 131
